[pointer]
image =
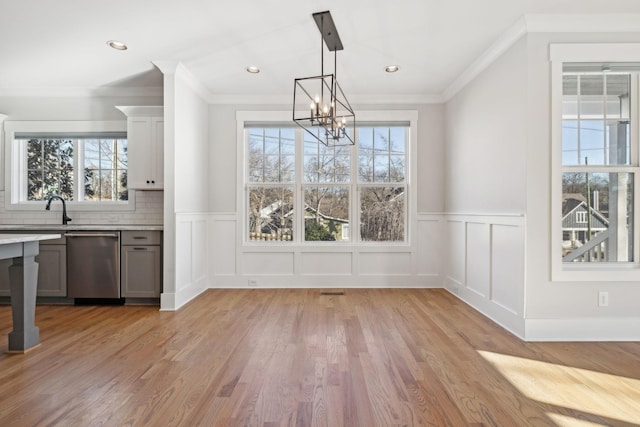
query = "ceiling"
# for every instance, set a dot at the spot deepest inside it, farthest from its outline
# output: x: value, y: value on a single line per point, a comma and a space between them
x: 60, y: 46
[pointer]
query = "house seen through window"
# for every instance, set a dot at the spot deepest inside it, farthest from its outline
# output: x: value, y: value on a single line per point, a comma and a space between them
x: 599, y: 162
x: 300, y: 190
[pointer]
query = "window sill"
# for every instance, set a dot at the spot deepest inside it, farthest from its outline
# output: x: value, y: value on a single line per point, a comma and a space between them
x: 602, y: 272
x: 326, y: 246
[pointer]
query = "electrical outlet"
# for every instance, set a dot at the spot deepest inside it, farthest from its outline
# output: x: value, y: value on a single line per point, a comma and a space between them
x: 603, y: 299
x: 252, y: 283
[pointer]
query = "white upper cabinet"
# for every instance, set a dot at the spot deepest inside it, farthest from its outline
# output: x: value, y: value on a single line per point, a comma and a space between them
x: 145, y: 147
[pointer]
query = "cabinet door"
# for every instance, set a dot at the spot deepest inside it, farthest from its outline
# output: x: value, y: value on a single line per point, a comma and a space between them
x: 145, y: 151
x: 157, y: 142
x: 52, y: 272
x: 141, y: 271
x: 140, y: 157
x: 4, y: 277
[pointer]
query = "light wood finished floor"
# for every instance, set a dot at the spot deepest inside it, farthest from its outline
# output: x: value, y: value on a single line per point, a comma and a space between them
x: 294, y: 357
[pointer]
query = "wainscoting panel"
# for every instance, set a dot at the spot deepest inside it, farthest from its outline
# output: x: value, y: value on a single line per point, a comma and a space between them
x: 222, y: 245
x: 233, y: 263
x: 326, y: 263
x: 191, y: 256
x: 478, y: 258
x: 430, y: 242
x: 486, y: 265
x: 507, y: 267
x: 183, y: 253
x: 385, y: 264
x: 456, y: 244
x: 268, y: 263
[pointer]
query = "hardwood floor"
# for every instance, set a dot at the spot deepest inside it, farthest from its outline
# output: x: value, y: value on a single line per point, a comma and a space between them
x: 295, y: 357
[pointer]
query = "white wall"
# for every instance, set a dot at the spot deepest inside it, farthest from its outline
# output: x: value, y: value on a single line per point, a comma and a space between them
x: 186, y: 152
x: 233, y: 264
x: 485, y: 131
x: 70, y: 108
x: 191, y: 148
x: 485, y: 190
x: 563, y: 310
x: 498, y: 203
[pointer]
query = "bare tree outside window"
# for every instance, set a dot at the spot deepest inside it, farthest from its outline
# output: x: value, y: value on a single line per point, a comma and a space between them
x: 382, y: 213
x: 102, y: 168
x: 105, y: 169
x: 49, y: 168
x: 271, y: 166
x: 331, y: 191
x: 326, y: 207
x: 382, y: 160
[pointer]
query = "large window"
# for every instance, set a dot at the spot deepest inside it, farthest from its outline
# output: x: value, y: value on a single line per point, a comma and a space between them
x: 300, y: 190
x: 85, y: 162
x: 271, y: 177
x: 78, y: 169
x: 598, y: 166
x: 595, y: 160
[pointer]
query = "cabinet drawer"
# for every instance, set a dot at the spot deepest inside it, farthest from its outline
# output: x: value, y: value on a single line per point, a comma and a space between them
x: 141, y: 238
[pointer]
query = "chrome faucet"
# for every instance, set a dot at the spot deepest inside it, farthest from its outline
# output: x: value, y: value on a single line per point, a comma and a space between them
x: 65, y: 218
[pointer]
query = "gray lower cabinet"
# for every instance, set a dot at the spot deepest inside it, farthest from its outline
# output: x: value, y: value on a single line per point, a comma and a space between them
x: 141, y: 264
x: 52, y: 269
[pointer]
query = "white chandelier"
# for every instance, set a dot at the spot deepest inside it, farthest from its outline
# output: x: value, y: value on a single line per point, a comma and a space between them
x: 319, y: 104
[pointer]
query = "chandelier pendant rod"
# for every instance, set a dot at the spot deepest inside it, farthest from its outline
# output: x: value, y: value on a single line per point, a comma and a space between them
x: 322, y: 64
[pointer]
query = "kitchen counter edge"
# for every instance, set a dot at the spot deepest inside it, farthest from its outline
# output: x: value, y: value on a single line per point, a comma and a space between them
x: 83, y: 227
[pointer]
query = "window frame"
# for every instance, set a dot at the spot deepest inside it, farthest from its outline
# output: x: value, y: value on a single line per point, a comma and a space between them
x: 382, y: 117
x: 15, y: 164
x: 596, y: 53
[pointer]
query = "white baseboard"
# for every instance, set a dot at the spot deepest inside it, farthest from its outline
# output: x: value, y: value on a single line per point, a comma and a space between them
x: 173, y: 301
x: 329, y: 281
x: 585, y: 329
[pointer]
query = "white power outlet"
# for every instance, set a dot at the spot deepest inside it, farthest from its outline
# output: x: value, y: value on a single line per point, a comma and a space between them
x: 252, y: 283
x: 603, y: 299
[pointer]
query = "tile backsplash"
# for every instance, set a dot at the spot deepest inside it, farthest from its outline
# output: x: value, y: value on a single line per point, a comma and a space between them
x: 148, y: 211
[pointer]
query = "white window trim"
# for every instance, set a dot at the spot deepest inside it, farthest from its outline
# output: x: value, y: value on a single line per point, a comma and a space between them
x: 581, y: 217
x: 596, y: 272
x: 410, y: 116
x: 13, y: 159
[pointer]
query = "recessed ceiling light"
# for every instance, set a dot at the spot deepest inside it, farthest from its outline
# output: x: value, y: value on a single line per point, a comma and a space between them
x: 117, y: 45
x: 391, y: 68
x: 253, y: 69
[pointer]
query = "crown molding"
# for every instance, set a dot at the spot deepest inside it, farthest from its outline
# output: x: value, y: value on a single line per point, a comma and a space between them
x: 82, y: 92
x: 285, y: 99
x: 141, y: 111
x: 544, y: 23
x: 178, y: 69
x: 500, y: 46
x: 583, y: 23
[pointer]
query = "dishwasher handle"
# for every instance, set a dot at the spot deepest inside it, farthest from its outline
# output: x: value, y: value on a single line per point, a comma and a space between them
x: 91, y: 235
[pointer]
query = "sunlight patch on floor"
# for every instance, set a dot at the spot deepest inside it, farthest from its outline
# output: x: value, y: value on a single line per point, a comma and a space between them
x: 592, y: 392
x: 565, y: 421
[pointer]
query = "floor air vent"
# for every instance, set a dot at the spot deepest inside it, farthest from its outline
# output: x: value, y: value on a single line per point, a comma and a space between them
x: 332, y: 293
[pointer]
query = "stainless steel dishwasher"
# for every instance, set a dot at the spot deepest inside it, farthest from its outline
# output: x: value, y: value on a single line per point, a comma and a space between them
x: 93, y: 264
